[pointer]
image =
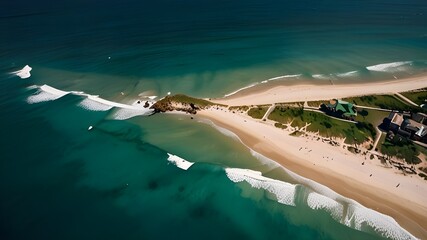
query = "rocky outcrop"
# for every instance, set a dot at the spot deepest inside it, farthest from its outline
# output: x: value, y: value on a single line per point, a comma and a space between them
x: 171, y: 103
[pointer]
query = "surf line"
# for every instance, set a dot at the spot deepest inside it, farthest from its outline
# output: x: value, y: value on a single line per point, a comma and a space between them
x: 48, y: 93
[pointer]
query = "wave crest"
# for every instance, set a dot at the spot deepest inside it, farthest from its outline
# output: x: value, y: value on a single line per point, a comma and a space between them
x: 24, y: 72
x: 46, y: 93
x: 92, y: 102
x: 390, y: 67
x: 179, y: 162
x: 284, y: 192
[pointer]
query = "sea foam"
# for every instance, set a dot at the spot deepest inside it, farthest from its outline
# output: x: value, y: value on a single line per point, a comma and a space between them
x: 124, y: 113
x: 348, y: 74
x: 179, y: 162
x: 282, y: 77
x: 24, y: 72
x: 317, y: 201
x: 92, y: 105
x: 241, y: 89
x: 93, y: 102
x: 320, y: 76
x: 284, y: 192
x: 390, y: 67
x: 46, y: 93
x: 358, y: 217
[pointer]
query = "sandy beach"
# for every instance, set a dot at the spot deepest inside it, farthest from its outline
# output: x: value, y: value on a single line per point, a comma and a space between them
x: 312, y: 92
x: 352, y: 175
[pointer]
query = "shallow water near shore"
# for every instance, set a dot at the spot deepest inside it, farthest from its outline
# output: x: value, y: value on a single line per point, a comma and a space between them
x: 61, y: 181
x: 115, y: 180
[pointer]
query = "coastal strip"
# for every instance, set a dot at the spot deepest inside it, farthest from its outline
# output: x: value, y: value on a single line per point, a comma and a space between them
x: 370, y: 184
x: 313, y: 92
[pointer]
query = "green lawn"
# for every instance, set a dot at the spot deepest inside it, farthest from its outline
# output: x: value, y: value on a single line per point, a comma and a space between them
x: 327, y: 127
x: 417, y: 97
x: 380, y: 101
x: 258, y: 111
x: 372, y: 116
x: 381, y: 142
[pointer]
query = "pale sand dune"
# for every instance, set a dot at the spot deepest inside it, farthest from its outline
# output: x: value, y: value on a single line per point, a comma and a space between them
x: 345, y: 174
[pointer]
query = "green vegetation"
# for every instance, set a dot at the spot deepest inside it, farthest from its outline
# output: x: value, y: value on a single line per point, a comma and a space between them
x: 291, y: 104
x: 258, y: 112
x: 373, y: 116
x: 401, y: 148
x: 316, y: 103
x: 181, y: 98
x: 419, y: 96
x: 288, y: 114
x: 380, y: 101
x: 327, y: 126
x: 239, y: 108
x: 423, y: 176
x: 279, y: 125
x: 297, y: 134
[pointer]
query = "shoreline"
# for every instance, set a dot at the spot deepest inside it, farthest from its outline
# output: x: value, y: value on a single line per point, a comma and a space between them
x: 386, y: 190
x: 321, y: 90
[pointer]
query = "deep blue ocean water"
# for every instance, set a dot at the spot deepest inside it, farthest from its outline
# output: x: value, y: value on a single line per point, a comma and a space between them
x: 60, y: 181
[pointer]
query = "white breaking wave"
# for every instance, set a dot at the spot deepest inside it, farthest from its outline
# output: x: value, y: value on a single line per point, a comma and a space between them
x: 317, y: 201
x: 241, y: 89
x: 46, y: 93
x: 323, y: 198
x: 93, y: 102
x: 92, y: 105
x: 348, y: 74
x: 265, y: 81
x: 321, y: 76
x: 358, y: 216
x: 284, y: 192
x: 281, y: 77
x: 179, y: 162
x: 390, y: 67
x: 126, y: 113
x: 24, y: 72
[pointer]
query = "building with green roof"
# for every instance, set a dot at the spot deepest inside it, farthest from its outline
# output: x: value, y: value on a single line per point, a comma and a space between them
x: 342, y: 108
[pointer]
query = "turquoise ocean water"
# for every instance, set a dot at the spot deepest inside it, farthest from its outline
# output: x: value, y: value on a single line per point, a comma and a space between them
x: 61, y: 181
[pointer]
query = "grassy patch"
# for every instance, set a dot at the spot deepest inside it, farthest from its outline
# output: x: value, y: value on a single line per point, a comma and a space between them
x: 291, y: 104
x: 373, y: 116
x: 239, y: 108
x: 258, y: 112
x: 380, y: 101
x: 279, y: 125
x: 381, y: 142
x: 418, y: 96
x: 316, y: 103
x: 286, y: 114
x: 401, y: 148
x: 189, y: 100
x: 422, y: 175
x: 327, y: 127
